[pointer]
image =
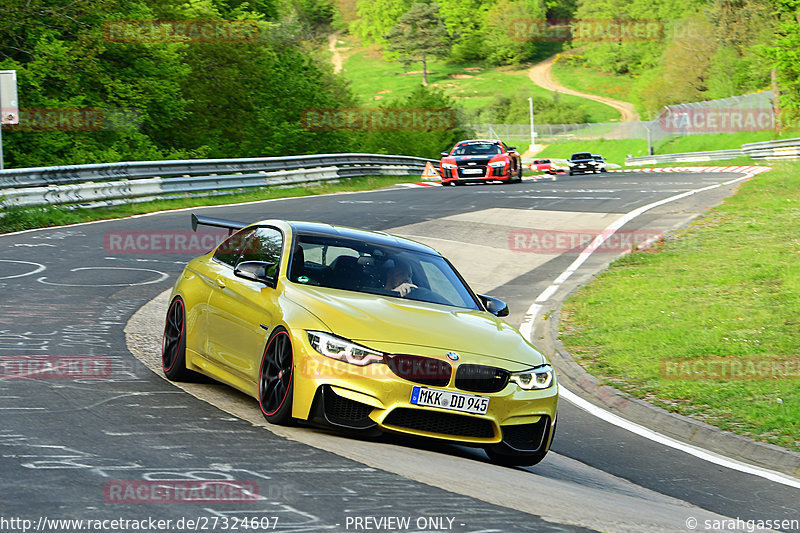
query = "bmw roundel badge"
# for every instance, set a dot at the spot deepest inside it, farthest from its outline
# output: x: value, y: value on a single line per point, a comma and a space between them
x: 453, y: 356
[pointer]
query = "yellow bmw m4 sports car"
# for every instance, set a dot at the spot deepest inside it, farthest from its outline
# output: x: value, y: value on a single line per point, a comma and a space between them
x: 359, y: 330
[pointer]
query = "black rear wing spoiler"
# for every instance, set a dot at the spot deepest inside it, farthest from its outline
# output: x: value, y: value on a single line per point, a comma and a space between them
x: 230, y: 225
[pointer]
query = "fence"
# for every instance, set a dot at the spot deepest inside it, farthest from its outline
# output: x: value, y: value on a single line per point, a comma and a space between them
x: 114, y: 183
x: 553, y: 133
x: 751, y: 112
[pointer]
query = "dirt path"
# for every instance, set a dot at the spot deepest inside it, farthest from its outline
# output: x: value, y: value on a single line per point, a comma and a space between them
x: 541, y: 74
x: 336, y: 58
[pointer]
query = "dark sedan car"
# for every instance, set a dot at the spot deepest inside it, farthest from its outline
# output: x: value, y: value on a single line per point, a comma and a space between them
x: 481, y: 160
x: 582, y: 163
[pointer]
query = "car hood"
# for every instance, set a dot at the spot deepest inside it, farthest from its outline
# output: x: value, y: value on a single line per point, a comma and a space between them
x: 478, y: 159
x: 368, y: 318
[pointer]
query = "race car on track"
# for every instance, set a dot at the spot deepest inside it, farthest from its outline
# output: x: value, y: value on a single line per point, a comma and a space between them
x: 359, y: 330
x: 480, y: 160
x: 547, y: 166
x: 601, y: 164
x: 542, y: 165
x: 582, y: 163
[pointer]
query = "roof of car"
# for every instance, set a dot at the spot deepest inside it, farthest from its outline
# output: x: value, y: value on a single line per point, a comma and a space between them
x: 479, y: 141
x: 375, y: 237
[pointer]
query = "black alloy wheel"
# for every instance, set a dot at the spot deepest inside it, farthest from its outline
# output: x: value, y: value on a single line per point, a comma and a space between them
x: 275, y: 378
x: 173, y: 345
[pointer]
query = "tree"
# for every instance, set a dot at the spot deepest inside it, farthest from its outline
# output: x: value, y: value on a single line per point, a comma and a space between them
x: 177, y: 99
x: 377, y: 17
x: 684, y: 70
x: 503, y: 46
x: 785, y: 54
x: 426, y: 141
x: 465, y: 20
x: 248, y: 99
x: 419, y: 35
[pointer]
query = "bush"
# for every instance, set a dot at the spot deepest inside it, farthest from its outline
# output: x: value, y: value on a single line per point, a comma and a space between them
x: 425, y: 143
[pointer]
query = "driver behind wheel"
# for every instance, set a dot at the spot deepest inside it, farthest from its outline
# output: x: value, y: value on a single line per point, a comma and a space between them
x: 398, y: 278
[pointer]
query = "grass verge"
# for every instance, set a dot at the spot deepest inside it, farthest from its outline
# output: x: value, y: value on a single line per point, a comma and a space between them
x: 728, y: 288
x: 22, y: 218
x: 594, y: 81
x: 474, y: 86
x: 614, y: 151
x: 716, y: 141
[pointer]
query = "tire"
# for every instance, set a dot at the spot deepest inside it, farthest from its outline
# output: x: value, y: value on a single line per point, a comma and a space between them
x: 173, y: 344
x: 571, y: 173
x: 519, y: 175
x: 276, y: 378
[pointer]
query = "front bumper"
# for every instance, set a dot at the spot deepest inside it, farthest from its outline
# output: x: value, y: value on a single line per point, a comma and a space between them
x: 582, y: 168
x: 489, y: 174
x: 373, y: 397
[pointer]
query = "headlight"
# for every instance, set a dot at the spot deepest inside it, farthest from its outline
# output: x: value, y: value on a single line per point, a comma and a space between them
x: 540, y: 377
x: 497, y: 164
x: 449, y: 166
x: 342, y: 349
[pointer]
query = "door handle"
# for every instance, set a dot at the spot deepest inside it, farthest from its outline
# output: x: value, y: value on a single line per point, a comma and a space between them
x: 221, y: 283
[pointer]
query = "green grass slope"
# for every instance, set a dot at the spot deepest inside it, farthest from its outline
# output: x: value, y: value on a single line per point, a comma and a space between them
x: 725, y: 291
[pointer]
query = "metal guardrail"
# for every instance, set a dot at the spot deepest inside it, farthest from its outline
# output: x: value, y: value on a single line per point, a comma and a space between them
x: 112, y: 183
x: 784, y: 149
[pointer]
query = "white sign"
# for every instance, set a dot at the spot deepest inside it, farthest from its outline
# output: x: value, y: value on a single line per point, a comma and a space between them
x: 9, y: 106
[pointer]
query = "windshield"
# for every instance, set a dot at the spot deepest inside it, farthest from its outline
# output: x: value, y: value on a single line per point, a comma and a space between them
x: 478, y: 149
x: 360, y: 266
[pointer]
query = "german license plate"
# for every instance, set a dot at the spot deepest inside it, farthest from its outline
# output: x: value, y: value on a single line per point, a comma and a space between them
x: 454, y: 401
x: 472, y: 171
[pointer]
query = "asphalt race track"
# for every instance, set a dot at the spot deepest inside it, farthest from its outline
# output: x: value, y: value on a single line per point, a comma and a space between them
x: 66, y: 445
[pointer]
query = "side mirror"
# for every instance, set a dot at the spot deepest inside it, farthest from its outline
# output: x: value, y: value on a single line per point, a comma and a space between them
x: 445, y: 154
x: 494, y: 305
x: 255, y: 271
x: 512, y: 148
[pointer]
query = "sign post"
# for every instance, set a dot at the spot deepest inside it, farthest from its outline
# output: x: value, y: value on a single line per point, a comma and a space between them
x: 533, y: 130
x: 9, y: 106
